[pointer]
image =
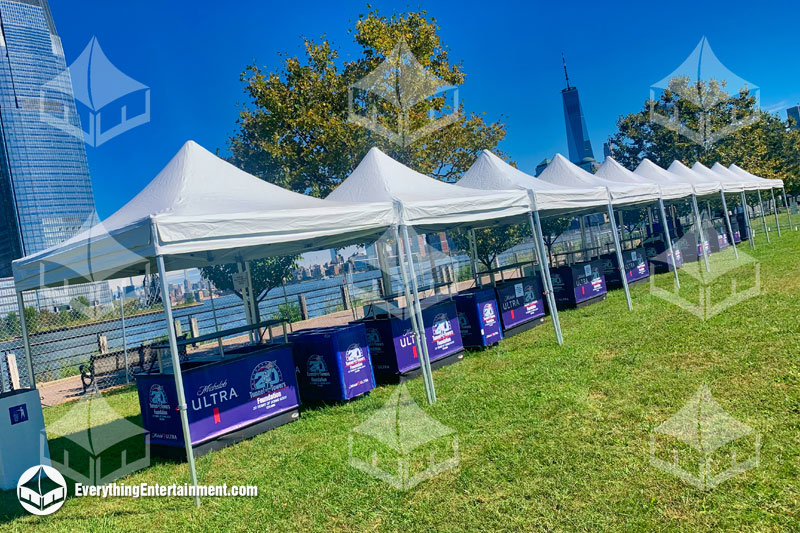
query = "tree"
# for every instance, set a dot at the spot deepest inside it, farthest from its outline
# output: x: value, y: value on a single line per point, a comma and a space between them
x: 490, y: 242
x: 295, y: 131
x: 552, y: 228
x: 266, y: 275
x: 763, y: 145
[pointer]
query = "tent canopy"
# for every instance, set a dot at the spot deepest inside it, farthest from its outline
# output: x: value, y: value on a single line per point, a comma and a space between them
x: 730, y: 181
x: 491, y: 173
x: 772, y: 183
x: 562, y: 172
x: 201, y: 210
x: 703, y: 185
x: 424, y: 202
x: 611, y: 170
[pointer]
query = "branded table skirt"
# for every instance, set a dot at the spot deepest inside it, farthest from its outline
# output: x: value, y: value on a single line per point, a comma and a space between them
x: 659, y: 258
x: 333, y: 364
x: 636, y: 268
x: 228, y: 400
x: 691, y: 249
x: 578, y: 284
x: 391, y: 340
x: 478, y: 317
x: 522, y: 303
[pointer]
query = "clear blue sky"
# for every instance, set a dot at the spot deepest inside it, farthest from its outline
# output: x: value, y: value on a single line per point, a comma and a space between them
x: 191, y: 54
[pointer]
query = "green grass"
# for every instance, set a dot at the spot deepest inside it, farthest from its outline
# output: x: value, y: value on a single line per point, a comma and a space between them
x: 550, y: 438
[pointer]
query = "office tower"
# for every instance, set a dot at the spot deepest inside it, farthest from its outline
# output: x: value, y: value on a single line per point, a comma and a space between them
x: 578, y: 143
x: 793, y: 114
x: 45, y: 189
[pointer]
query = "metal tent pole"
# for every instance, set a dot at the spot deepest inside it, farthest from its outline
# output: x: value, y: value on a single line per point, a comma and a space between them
x: 620, y: 262
x: 246, y: 301
x: 544, y: 269
x: 26, y: 341
x: 699, y: 224
x: 775, y: 203
x: 763, y: 215
x: 750, y: 237
x: 216, y: 324
x: 474, y: 253
x: 786, y: 203
x: 668, y: 238
x: 728, y: 223
x: 176, y: 371
x: 415, y: 312
x: 124, y: 338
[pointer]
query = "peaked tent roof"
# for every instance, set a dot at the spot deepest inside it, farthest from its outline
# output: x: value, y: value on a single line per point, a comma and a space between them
x: 562, y: 172
x: 201, y: 210
x: 729, y: 181
x: 422, y: 201
x: 773, y: 183
x: 489, y: 172
x: 611, y: 170
x: 702, y: 185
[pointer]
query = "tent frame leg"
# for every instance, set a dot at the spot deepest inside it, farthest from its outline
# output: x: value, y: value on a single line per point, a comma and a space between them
x: 26, y: 341
x: 669, y: 241
x: 620, y: 261
x: 473, y: 246
x: 544, y: 270
x: 763, y: 216
x: 176, y: 371
x: 700, y: 236
x: 728, y: 223
x: 775, y: 203
x: 788, y: 212
x: 415, y: 310
x: 747, y: 223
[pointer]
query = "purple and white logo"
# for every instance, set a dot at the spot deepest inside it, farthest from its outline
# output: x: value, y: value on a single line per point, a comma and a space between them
x: 266, y: 377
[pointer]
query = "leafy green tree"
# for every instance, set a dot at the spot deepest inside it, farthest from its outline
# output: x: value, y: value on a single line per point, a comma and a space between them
x: 266, y: 275
x: 32, y: 319
x: 491, y: 242
x: 295, y: 131
x: 764, y: 145
x: 189, y: 299
x: 552, y: 228
x: 12, y: 323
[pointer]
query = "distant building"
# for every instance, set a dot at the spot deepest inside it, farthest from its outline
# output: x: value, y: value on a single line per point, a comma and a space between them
x: 578, y: 143
x: 541, y: 166
x: 45, y: 190
x: 793, y: 114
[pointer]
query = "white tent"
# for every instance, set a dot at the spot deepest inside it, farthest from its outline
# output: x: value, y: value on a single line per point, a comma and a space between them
x: 772, y: 183
x: 201, y: 210
x: 670, y: 190
x: 702, y: 185
x: 731, y: 182
x: 428, y: 205
x: 564, y: 173
x: 491, y: 173
x: 424, y: 202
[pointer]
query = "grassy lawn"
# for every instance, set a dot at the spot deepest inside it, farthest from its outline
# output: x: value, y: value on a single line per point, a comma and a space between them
x: 552, y: 438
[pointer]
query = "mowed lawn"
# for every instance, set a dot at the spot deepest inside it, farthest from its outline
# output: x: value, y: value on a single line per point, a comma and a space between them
x: 550, y: 437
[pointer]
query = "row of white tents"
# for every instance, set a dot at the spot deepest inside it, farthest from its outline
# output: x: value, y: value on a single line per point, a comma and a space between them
x: 200, y: 210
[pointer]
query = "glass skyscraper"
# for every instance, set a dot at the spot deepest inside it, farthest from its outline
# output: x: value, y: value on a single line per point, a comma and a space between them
x: 578, y: 143
x: 44, y: 176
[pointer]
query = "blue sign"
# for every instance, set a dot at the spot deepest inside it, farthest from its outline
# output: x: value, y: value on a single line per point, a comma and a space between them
x: 18, y: 414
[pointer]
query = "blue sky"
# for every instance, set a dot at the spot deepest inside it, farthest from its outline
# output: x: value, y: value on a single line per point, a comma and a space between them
x: 191, y: 54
